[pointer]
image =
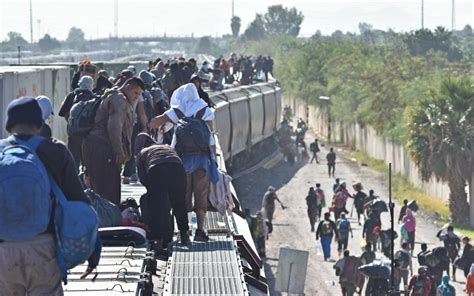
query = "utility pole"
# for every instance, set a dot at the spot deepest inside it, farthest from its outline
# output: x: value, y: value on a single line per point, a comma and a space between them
x: 391, y: 207
x: 31, y: 22
x: 232, y: 8
x: 453, y: 17
x: 116, y: 18
x: 38, y: 29
x: 422, y: 14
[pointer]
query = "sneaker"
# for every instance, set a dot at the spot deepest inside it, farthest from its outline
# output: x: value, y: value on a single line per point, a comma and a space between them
x: 184, y: 238
x: 126, y: 180
x: 200, y: 236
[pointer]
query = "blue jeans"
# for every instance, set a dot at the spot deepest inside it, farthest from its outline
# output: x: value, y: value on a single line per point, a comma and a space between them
x: 326, y: 245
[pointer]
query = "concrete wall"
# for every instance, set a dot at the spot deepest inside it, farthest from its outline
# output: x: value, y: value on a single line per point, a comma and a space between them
x: 51, y: 81
x: 366, y: 139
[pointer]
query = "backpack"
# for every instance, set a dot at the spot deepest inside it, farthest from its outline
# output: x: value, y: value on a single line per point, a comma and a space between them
x: 313, y: 147
x: 25, y: 200
x: 192, y: 134
x: 108, y: 213
x: 446, y: 290
x: 326, y: 228
x: 403, y: 258
x: 343, y: 228
x: 82, y: 117
x: 419, y: 286
x: 76, y: 230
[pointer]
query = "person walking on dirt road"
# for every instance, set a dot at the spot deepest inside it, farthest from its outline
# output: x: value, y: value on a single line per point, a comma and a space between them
x: 314, y: 148
x: 350, y: 277
x: 312, y: 201
x: 410, y: 225
x: 331, y: 159
x: 343, y: 229
x: 322, y: 200
x: 420, y: 284
x: 327, y: 229
x: 340, y: 201
x: 359, y: 201
x: 452, y: 243
x: 268, y: 202
x: 403, y: 210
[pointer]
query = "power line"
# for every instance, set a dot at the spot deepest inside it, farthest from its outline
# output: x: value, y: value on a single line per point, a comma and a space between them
x: 453, y: 16
x: 116, y: 18
x: 422, y: 14
x: 31, y: 22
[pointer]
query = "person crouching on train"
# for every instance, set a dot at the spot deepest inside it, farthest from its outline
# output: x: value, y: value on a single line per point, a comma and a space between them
x: 195, y: 145
x: 161, y: 171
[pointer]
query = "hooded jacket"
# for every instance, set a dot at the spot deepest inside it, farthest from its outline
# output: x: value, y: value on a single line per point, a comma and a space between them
x: 114, y: 123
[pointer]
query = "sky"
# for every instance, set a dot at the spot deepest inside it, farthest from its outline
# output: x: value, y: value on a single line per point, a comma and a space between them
x: 212, y: 18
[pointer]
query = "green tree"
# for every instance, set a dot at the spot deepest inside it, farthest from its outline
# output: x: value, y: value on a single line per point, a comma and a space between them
x: 282, y: 20
x: 235, y: 26
x: 422, y: 41
x: 441, y: 141
x: 75, y: 38
x: 256, y: 29
x: 15, y: 38
x: 47, y: 43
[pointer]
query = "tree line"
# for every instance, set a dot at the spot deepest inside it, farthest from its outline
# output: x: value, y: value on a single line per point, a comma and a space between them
x: 74, y: 40
x: 416, y: 88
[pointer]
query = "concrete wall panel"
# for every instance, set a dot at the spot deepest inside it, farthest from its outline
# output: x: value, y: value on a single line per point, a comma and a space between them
x: 366, y: 139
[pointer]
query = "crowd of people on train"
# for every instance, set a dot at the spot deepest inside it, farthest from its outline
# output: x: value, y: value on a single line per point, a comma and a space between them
x: 154, y: 125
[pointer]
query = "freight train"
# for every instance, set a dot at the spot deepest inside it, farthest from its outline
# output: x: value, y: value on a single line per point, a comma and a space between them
x: 229, y: 264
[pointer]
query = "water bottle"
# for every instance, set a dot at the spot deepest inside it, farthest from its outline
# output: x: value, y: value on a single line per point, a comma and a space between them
x: 318, y: 249
x: 193, y: 223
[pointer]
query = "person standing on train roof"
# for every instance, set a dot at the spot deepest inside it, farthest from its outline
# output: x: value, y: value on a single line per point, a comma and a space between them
x: 47, y: 111
x: 196, y: 149
x: 202, y: 94
x: 82, y: 93
x: 108, y: 145
x: 27, y: 245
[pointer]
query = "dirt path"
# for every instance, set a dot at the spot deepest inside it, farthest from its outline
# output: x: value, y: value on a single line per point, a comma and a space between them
x: 291, y: 226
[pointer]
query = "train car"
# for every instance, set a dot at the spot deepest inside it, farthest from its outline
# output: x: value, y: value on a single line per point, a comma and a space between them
x: 257, y: 107
x: 240, y: 117
x: 223, y: 128
x: 245, y: 116
x: 271, y: 110
x: 51, y: 81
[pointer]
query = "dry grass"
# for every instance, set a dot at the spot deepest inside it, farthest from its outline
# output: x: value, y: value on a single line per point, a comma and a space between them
x: 403, y: 189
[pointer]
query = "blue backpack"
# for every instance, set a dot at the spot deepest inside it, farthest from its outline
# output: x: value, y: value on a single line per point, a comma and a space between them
x: 343, y: 228
x: 76, y: 228
x: 25, y: 192
x: 75, y: 222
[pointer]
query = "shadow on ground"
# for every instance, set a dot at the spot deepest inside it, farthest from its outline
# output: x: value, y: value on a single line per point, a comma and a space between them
x: 268, y: 263
x: 251, y: 188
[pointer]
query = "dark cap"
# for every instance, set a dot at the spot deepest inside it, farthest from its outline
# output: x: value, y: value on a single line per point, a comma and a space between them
x: 23, y: 110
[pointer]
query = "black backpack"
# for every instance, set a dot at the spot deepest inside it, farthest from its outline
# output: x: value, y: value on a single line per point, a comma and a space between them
x: 312, y: 147
x: 82, y: 117
x: 192, y: 134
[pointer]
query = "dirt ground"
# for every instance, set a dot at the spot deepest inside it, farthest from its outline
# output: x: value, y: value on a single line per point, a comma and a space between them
x: 291, y: 226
